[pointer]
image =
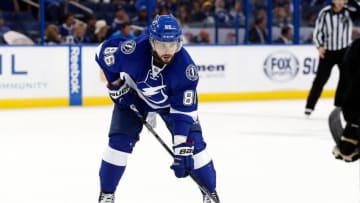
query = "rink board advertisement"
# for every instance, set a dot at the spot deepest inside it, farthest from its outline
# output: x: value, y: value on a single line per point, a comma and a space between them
x: 69, y: 75
x: 33, y: 76
x: 256, y: 68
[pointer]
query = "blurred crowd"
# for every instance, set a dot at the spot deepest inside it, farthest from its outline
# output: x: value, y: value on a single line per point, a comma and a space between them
x: 92, y: 21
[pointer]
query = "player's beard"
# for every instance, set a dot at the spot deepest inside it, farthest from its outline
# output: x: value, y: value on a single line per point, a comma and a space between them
x: 163, y: 59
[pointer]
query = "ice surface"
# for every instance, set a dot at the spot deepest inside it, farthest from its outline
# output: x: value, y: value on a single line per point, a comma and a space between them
x: 264, y: 151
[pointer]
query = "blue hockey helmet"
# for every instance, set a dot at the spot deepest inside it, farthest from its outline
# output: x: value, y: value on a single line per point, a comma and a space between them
x: 165, y: 28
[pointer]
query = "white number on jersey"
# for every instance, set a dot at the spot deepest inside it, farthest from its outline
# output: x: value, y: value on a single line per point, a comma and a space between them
x: 189, y: 98
x: 109, y: 57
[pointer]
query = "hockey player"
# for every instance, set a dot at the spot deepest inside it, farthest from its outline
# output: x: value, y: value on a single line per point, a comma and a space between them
x: 347, y: 148
x: 156, y: 74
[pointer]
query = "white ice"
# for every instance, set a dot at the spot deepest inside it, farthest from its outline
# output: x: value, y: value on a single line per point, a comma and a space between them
x: 264, y: 151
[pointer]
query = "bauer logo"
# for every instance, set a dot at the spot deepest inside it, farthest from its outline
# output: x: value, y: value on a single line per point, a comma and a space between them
x: 281, y: 66
x: 75, y: 75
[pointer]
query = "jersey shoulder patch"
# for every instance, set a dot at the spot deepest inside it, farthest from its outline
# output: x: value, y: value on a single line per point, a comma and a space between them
x: 128, y: 46
x: 191, y: 72
x: 186, y: 68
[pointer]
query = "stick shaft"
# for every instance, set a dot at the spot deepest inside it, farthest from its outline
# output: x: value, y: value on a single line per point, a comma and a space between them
x: 153, y: 132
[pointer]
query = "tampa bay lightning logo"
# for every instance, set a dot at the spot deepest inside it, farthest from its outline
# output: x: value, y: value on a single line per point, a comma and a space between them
x: 128, y: 46
x: 153, y: 88
x: 192, y: 72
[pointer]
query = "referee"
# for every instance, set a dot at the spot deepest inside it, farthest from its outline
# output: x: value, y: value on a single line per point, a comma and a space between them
x: 332, y: 36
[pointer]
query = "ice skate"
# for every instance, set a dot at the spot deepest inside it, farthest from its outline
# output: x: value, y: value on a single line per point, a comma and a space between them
x: 106, y: 197
x: 207, y: 199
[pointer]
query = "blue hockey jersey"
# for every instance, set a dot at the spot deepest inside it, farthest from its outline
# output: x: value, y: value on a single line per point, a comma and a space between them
x: 173, y: 86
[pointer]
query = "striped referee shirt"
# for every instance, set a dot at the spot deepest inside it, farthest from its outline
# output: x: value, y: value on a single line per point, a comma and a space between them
x: 333, y: 30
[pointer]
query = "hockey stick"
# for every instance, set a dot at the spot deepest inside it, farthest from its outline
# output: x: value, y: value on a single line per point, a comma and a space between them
x: 151, y: 129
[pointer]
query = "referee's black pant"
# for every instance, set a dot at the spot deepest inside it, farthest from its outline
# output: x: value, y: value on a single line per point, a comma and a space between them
x: 323, y: 73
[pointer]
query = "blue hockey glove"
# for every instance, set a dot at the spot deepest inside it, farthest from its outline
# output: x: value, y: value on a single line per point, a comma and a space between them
x: 183, y: 160
x: 118, y: 89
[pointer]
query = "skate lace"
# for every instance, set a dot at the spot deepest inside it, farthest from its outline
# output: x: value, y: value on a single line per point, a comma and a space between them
x: 107, y: 198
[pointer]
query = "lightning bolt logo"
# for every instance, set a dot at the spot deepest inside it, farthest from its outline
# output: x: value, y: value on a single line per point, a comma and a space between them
x: 150, y: 91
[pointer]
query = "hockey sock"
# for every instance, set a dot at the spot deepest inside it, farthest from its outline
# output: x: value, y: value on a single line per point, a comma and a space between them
x: 114, y: 161
x: 207, y: 176
x: 110, y: 176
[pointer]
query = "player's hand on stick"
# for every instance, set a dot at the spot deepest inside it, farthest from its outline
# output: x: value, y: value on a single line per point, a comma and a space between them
x: 348, y: 147
x: 183, y: 159
x: 118, y: 89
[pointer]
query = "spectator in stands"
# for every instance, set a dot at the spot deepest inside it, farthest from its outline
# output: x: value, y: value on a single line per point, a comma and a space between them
x: 202, y: 38
x: 3, y: 29
x: 52, y: 35
x: 195, y: 14
x: 183, y: 14
x: 309, y: 17
x: 54, y: 10
x: 142, y: 18
x: 90, y: 27
x: 230, y: 37
x: 286, y: 36
x: 125, y: 31
x: 101, y: 32
x: 288, y: 9
x: 67, y: 28
x: 258, y: 33
x: 208, y: 9
x: 163, y: 8
x: 312, y: 3
x: 79, y: 34
x: 260, y: 13
x: 237, y: 11
x: 171, y: 5
x: 139, y: 4
x: 222, y: 14
x: 258, y: 5
x: 121, y: 17
x: 280, y: 16
x: 310, y: 10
